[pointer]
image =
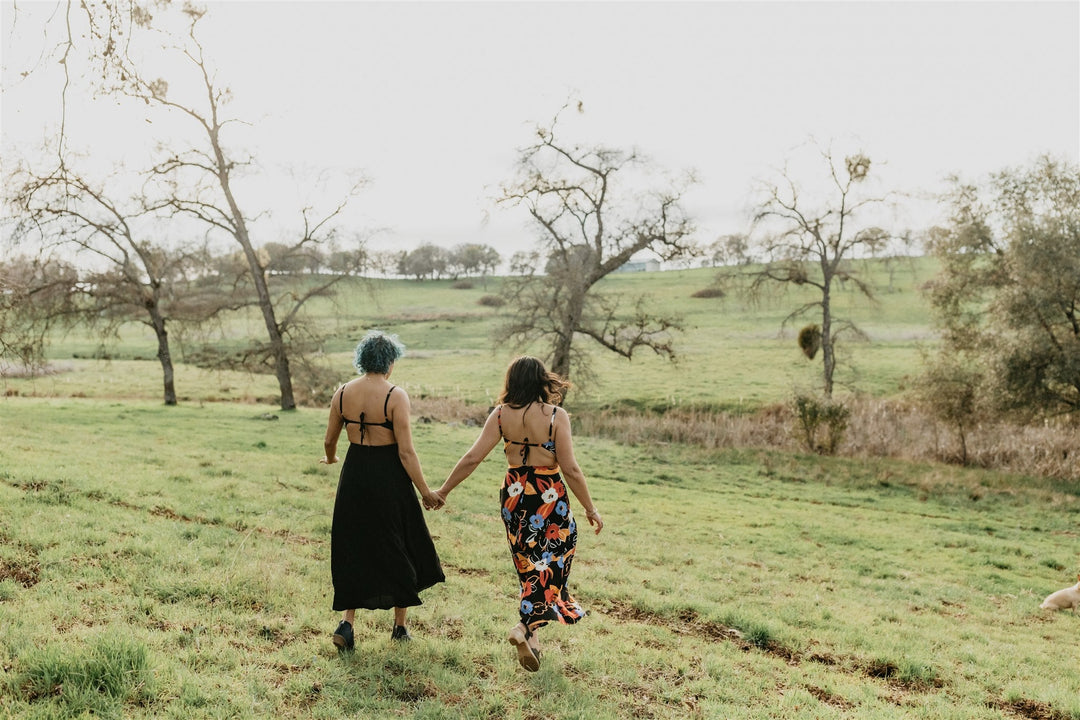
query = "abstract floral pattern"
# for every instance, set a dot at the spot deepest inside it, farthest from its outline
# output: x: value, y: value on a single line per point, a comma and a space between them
x: 543, y: 537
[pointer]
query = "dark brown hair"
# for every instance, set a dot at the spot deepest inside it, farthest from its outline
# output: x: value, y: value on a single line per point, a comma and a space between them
x: 527, y: 380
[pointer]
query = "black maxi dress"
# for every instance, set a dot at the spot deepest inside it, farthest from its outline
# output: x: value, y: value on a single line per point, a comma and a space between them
x: 381, y: 553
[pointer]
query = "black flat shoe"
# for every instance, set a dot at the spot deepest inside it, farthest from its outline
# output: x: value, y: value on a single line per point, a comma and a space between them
x: 343, y: 636
x: 400, y: 633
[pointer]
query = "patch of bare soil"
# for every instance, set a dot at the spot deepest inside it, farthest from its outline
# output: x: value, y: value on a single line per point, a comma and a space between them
x: 826, y: 697
x: 1031, y: 709
x: 23, y: 567
x: 689, y: 622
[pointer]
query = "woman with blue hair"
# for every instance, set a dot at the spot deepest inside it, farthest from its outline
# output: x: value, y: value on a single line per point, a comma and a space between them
x: 381, y: 553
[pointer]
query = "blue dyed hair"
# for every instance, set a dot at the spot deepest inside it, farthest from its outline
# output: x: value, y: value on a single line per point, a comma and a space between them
x: 377, y: 352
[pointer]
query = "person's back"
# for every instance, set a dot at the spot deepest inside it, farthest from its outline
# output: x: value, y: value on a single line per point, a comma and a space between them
x: 375, y: 505
x: 365, y: 407
x: 529, y: 434
x: 534, y: 498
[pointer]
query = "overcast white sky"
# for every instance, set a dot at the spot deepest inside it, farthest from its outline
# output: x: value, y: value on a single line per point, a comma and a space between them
x: 430, y: 100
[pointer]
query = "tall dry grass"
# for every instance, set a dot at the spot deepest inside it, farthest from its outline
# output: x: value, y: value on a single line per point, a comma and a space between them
x: 876, y: 428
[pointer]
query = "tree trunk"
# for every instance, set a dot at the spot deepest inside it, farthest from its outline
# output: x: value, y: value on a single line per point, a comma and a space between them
x: 163, y: 354
x: 273, y: 332
x: 828, y: 356
x: 560, y: 356
x: 266, y: 304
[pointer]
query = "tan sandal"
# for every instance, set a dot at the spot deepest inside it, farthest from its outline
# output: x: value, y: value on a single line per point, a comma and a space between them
x: 519, y: 638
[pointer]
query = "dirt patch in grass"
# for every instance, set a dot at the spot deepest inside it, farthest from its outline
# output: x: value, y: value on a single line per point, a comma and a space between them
x: 827, y: 698
x: 917, y: 680
x: 25, y: 571
x: 21, y: 566
x: 289, y: 536
x: 687, y: 621
x: 1032, y: 709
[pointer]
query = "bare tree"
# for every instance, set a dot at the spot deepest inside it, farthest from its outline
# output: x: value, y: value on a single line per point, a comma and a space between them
x: 37, y: 296
x: 198, y: 183
x: 138, y: 277
x: 594, y: 210
x: 811, y: 241
x: 195, y: 181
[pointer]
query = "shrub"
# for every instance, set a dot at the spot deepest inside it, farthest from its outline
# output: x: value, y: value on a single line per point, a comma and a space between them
x: 951, y: 390
x: 816, y: 417
x: 491, y: 301
x: 314, y: 384
x: 463, y: 285
x: 709, y: 292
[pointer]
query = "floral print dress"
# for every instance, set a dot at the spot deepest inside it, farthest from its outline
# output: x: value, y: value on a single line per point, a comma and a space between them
x: 542, y: 534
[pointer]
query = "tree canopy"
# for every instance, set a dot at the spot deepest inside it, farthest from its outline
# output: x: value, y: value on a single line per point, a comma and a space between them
x: 1008, y: 294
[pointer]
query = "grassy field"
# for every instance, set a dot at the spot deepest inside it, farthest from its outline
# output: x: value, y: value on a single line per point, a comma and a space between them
x: 732, y: 352
x: 174, y: 562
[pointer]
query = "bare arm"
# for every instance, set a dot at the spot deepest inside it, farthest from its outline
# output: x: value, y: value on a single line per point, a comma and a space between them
x: 333, y: 430
x: 575, y: 478
x: 398, y: 410
x: 489, y: 438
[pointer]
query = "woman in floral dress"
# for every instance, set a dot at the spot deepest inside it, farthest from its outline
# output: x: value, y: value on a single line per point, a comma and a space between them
x: 540, y: 525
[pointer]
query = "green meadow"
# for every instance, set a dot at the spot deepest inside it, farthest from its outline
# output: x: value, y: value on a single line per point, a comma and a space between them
x: 733, y: 351
x: 174, y: 562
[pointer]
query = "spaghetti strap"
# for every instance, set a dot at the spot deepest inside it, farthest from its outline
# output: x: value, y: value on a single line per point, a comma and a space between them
x: 386, y: 402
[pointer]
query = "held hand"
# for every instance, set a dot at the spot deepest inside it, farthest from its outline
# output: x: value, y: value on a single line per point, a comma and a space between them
x: 433, y: 501
x: 595, y: 520
x: 324, y: 461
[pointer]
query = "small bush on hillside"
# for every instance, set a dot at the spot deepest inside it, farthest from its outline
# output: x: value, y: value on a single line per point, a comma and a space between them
x: 491, y: 301
x: 709, y: 292
x: 822, y: 423
x: 951, y: 390
x: 463, y: 285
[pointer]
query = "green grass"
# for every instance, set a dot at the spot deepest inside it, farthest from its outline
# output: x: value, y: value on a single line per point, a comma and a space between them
x: 174, y: 563
x: 732, y: 353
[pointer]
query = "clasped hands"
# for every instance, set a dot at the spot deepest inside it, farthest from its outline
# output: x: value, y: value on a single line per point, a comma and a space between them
x: 434, y: 500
